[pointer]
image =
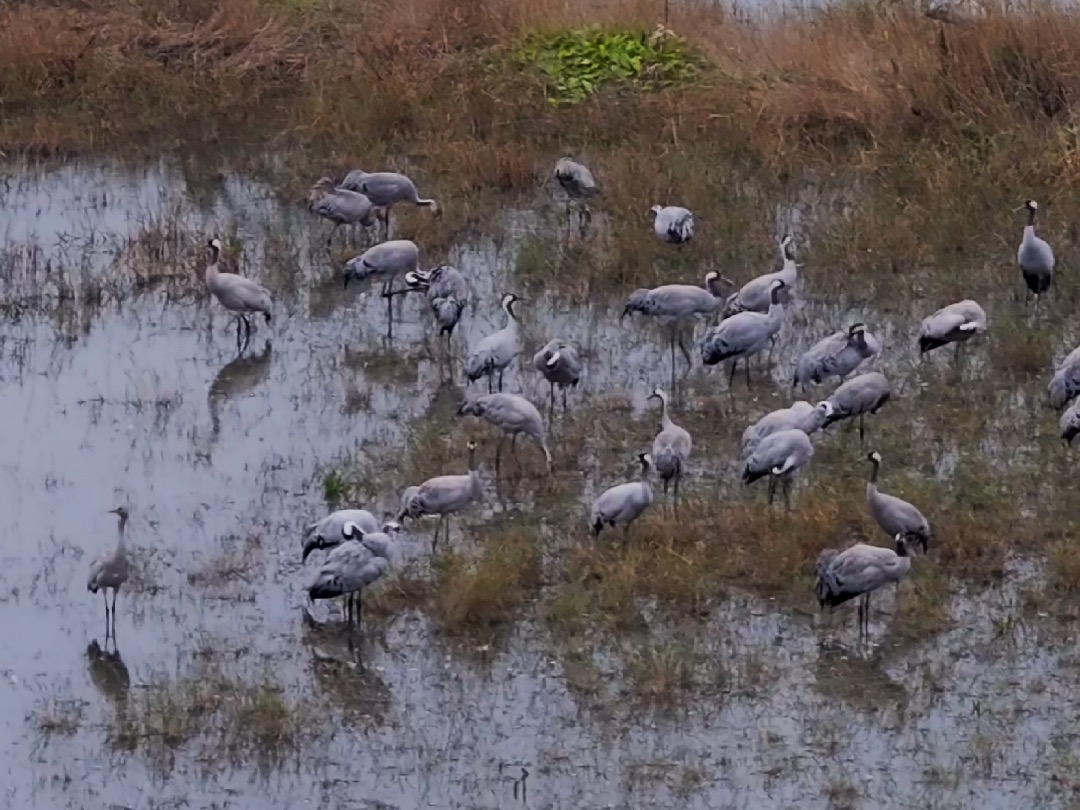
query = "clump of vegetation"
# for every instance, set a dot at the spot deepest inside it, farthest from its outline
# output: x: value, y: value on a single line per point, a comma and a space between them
x: 577, y: 63
x: 471, y: 593
x: 224, y: 717
x: 59, y: 716
x: 335, y: 487
x: 662, y: 672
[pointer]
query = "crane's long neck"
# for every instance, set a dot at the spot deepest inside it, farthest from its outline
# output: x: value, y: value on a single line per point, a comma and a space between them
x: 121, y: 545
x: 875, y: 464
x: 665, y: 419
x: 1032, y: 213
x: 212, y: 265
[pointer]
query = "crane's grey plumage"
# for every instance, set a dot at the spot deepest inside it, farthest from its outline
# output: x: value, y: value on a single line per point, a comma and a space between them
x: 579, y: 184
x: 352, y: 566
x: 675, y: 304
x: 673, y: 223
x: 800, y: 415
x: 859, y: 396
x: 895, y: 515
x: 756, y: 294
x: 1065, y: 384
x: 387, y: 189
x: 385, y: 261
x: 744, y: 334
x: 671, y: 448
x: 447, y: 293
x: 513, y: 415
x: 858, y: 571
x: 111, y: 571
x: 956, y: 323
x: 240, y: 296
x: 837, y: 355
x: 341, y: 206
x: 558, y: 362
x: 1035, y: 257
x: 330, y: 531
x: 445, y: 495
x: 494, y: 353
x: 780, y: 455
x: 1070, y: 423
x: 623, y: 503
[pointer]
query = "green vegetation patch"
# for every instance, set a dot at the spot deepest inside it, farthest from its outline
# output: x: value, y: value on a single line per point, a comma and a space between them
x: 575, y: 64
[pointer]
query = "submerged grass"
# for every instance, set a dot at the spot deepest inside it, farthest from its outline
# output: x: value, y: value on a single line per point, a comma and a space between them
x: 227, y: 719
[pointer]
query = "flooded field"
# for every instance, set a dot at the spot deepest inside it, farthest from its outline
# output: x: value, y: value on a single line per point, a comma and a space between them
x: 527, y: 666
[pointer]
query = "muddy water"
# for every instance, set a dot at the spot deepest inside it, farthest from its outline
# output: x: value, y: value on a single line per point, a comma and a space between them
x: 121, y: 384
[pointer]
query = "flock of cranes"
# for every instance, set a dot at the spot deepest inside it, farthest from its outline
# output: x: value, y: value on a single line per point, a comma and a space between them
x: 778, y: 447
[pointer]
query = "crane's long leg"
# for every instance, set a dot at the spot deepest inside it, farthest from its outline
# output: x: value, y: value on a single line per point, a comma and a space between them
x: 500, y: 380
x: 551, y: 401
x: 675, y: 495
x: 862, y: 428
x: 105, y: 599
x: 114, y: 592
x: 491, y: 388
x: 787, y: 493
x: 332, y: 231
x: 772, y: 489
x: 731, y: 374
x: 247, y: 331
x: 513, y: 443
x: 746, y: 368
x: 238, y: 319
x: 564, y: 399
x: 685, y: 352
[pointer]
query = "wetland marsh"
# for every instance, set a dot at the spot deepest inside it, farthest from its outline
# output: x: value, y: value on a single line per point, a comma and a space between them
x: 526, y: 664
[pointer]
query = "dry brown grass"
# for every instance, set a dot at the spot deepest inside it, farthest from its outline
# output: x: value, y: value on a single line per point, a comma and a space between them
x: 423, y: 82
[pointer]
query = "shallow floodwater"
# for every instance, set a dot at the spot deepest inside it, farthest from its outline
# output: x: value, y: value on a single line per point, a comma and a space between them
x: 121, y: 383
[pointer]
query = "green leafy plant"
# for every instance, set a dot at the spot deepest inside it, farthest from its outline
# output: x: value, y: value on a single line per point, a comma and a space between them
x: 575, y: 64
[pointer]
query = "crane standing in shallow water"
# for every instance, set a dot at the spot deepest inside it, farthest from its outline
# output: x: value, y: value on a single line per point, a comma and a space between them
x: 111, y: 571
x: 240, y: 296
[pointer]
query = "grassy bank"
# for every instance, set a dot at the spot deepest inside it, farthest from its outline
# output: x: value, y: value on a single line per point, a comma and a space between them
x: 916, y: 111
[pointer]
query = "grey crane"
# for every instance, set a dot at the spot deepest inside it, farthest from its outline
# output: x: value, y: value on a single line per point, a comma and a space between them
x: 673, y: 223
x: 756, y: 294
x: 240, y: 296
x: 579, y: 184
x: 330, y: 531
x: 859, y: 396
x: 957, y: 323
x: 558, y: 361
x: 513, y: 415
x: 676, y: 304
x: 445, y: 495
x: 858, y: 571
x: 356, y: 564
x: 837, y: 355
x: 895, y: 515
x: 780, y: 419
x: 385, y: 261
x: 800, y: 415
x: 387, y: 189
x: 671, y: 448
x: 623, y: 503
x: 494, y: 353
x: 1035, y: 257
x: 1070, y: 423
x: 341, y: 206
x: 780, y: 456
x: 744, y: 334
x: 111, y: 571
x: 1065, y: 384
x: 447, y: 293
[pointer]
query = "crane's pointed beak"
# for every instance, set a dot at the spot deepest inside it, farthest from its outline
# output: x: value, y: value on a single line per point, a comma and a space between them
x: 309, y: 547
